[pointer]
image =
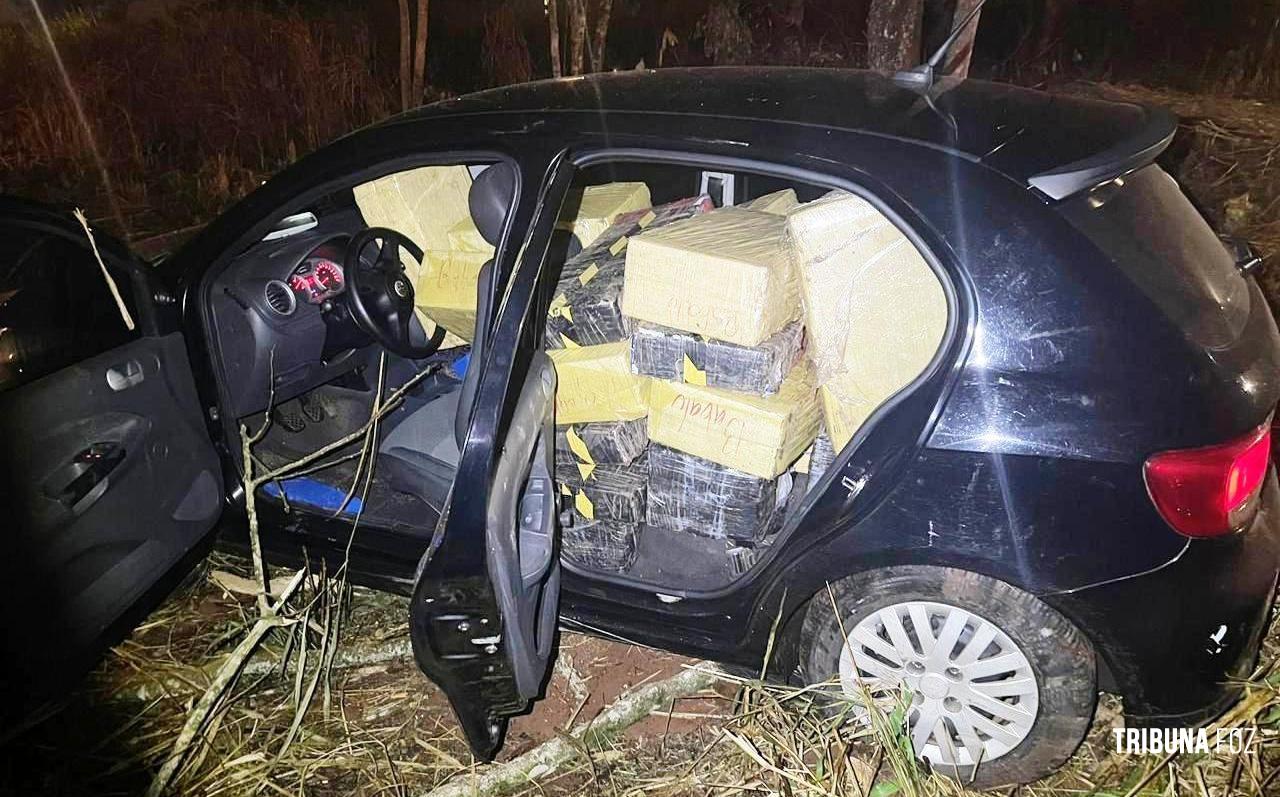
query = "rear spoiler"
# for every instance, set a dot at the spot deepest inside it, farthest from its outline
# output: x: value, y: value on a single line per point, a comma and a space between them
x: 1138, y: 150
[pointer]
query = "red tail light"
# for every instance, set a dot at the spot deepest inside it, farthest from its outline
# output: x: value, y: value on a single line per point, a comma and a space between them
x: 1214, y: 490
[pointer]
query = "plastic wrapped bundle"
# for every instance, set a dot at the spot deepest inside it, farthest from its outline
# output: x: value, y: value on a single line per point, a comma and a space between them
x: 820, y: 458
x: 610, y: 547
x: 724, y: 274
x: 429, y: 204
x: 690, y: 494
x: 608, y: 443
x: 875, y: 312
x: 597, y: 206
x: 609, y: 492
x: 678, y: 356
x: 586, y: 309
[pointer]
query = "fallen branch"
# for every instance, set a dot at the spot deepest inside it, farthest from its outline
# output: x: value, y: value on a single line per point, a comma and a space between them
x: 544, y: 759
x: 222, y: 680
x: 106, y: 275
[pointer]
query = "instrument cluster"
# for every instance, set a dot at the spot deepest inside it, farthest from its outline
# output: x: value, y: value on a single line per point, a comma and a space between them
x: 317, y: 279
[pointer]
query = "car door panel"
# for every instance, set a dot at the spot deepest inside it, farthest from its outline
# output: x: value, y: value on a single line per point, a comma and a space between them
x: 485, y: 606
x: 99, y: 542
x: 109, y: 480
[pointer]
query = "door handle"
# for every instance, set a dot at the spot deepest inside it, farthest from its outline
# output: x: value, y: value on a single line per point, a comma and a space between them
x: 91, y: 468
x: 125, y: 375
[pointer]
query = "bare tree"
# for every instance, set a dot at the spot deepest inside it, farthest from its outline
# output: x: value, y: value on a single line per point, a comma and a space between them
x: 553, y: 27
x: 406, y: 68
x: 893, y: 34
x: 577, y: 36
x: 604, y: 9
x: 420, y: 52
x: 957, y: 62
x: 413, y: 53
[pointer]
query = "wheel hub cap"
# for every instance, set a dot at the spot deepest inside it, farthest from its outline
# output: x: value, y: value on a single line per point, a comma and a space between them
x: 974, y: 696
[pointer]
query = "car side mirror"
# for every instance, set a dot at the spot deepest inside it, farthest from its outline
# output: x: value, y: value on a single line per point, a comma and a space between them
x: 1248, y: 261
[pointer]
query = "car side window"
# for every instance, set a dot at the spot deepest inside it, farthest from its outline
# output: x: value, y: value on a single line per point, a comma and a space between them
x: 55, y: 306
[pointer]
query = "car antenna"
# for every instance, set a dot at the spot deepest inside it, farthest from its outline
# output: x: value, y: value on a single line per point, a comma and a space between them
x: 921, y: 78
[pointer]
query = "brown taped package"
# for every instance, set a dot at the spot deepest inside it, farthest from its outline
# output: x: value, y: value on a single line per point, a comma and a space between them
x: 595, y: 383
x: 446, y: 288
x: 600, y: 205
x: 779, y: 202
x: 425, y: 204
x: 724, y: 274
x: 753, y: 434
x: 875, y: 312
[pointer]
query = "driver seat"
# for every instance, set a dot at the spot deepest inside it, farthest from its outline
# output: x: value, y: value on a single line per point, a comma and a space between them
x: 420, y: 451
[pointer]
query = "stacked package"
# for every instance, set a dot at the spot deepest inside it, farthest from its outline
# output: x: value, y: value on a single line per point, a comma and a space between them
x: 714, y: 309
x: 586, y: 308
x: 600, y: 446
x: 429, y: 205
x: 866, y: 289
x: 601, y: 404
x: 595, y: 208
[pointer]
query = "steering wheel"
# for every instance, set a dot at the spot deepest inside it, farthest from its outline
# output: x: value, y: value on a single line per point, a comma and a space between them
x: 380, y: 294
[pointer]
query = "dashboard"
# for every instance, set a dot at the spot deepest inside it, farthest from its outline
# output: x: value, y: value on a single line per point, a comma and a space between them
x: 276, y: 319
x: 319, y: 277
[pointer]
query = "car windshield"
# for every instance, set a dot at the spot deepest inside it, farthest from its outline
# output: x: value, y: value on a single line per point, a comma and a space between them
x: 1153, y: 232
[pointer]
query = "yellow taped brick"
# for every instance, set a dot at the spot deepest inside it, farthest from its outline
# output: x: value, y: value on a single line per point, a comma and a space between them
x: 446, y: 289
x: 423, y: 204
x: 757, y: 435
x: 595, y: 383
x: 875, y: 312
x: 779, y: 202
x: 724, y: 274
x: 465, y: 237
x: 427, y: 204
x: 588, y: 274
x: 599, y: 205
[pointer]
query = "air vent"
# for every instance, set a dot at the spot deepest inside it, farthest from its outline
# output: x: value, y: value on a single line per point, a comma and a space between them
x: 280, y: 297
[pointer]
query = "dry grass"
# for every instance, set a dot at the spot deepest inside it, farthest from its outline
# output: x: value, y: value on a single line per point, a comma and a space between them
x: 376, y: 726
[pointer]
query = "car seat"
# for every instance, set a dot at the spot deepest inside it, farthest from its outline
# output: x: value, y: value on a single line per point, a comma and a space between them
x: 419, y: 454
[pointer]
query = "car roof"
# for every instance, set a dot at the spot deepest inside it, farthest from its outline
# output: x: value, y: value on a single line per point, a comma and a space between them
x: 1020, y: 132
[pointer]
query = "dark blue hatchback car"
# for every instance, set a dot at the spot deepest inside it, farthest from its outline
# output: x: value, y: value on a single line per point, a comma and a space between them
x: 1044, y: 385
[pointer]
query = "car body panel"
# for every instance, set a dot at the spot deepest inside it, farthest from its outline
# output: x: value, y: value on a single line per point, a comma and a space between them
x: 1058, y: 379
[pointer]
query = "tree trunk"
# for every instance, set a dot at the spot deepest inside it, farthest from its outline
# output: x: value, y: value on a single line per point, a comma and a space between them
x: 553, y: 27
x: 406, y: 65
x: 957, y: 61
x: 603, y: 10
x: 893, y: 34
x: 577, y: 36
x: 420, y: 53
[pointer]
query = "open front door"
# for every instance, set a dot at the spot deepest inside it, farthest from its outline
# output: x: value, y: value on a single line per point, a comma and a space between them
x: 483, y: 617
x: 108, y: 478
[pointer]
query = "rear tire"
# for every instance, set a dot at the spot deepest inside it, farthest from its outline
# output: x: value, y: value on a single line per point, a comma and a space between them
x: 1019, y: 706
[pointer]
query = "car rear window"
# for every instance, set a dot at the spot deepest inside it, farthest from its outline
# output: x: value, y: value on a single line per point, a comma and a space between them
x: 1153, y: 233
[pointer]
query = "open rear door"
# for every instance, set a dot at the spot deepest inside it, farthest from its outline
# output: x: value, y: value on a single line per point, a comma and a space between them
x: 484, y: 611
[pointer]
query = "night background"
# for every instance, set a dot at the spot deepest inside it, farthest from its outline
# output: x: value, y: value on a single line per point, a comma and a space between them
x: 156, y: 115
